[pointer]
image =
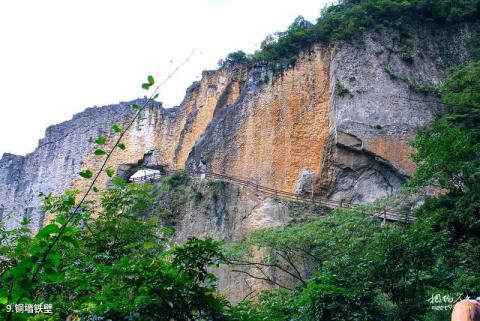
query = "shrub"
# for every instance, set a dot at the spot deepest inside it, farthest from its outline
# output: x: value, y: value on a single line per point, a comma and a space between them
x: 176, y: 179
x: 196, y: 196
x: 340, y: 90
x: 350, y: 18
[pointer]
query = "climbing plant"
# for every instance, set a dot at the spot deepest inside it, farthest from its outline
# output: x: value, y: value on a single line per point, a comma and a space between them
x: 83, y: 266
x: 118, y: 265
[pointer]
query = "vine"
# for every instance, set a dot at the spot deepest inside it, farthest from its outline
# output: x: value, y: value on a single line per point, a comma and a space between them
x: 43, y: 246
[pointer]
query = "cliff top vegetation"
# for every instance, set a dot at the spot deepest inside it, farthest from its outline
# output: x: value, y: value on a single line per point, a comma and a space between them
x: 349, y: 19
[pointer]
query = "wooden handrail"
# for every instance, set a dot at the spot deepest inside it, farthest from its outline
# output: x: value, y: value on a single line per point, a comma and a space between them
x: 387, y: 214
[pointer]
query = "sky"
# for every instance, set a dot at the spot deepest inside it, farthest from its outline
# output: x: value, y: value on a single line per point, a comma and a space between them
x: 59, y: 57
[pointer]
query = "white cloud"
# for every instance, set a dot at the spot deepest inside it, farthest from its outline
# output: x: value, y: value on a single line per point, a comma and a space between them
x: 60, y: 57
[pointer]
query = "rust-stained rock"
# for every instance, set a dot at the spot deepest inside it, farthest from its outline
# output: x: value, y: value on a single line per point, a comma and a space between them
x: 286, y: 130
x: 266, y: 126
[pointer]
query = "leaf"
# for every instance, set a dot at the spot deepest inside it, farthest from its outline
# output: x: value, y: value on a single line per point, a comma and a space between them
x: 150, y: 80
x: 149, y: 83
x: 3, y: 300
x: 99, y: 152
x: 100, y: 140
x: 118, y: 181
x: 54, y: 277
x: 148, y: 245
x: 135, y: 106
x: 25, y: 221
x: 71, y: 240
x: 61, y: 220
x: 86, y: 174
x: 121, y: 146
x: 117, y: 128
x: 47, y: 230
x: 155, y: 96
x: 95, y: 189
x: 110, y: 172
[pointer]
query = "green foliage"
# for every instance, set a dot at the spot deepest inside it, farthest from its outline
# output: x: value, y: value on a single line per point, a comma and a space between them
x: 323, y: 299
x: 233, y: 58
x: 118, y: 181
x: 196, y: 196
x: 110, y: 172
x: 86, y: 174
x: 461, y: 91
x: 348, y: 19
x: 348, y: 267
x: 340, y: 90
x: 118, y: 266
x: 165, y: 214
x: 176, y: 179
x: 346, y: 252
x: 448, y: 153
x: 270, y: 306
x: 100, y: 140
x: 284, y: 47
x: 99, y: 152
x: 474, y: 48
x: 406, y: 55
x: 457, y: 217
x: 150, y: 82
x: 217, y: 186
x: 393, y: 75
x: 345, y: 265
x: 122, y: 146
x: 117, y: 128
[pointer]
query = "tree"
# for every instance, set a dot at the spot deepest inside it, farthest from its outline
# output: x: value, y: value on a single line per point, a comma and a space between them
x: 117, y: 266
x: 349, y: 19
x: 448, y: 155
x: 233, y: 58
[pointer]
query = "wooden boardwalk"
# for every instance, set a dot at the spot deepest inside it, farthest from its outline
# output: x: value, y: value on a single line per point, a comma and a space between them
x: 386, y: 215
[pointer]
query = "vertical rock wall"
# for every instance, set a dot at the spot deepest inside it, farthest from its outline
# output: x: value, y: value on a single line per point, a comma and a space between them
x: 276, y: 129
x: 336, y: 123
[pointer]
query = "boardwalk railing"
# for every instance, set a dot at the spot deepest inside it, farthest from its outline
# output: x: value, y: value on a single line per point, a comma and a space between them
x: 390, y: 214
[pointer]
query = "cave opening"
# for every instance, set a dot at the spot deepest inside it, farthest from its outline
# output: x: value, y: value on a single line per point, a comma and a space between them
x: 145, y: 174
x: 140, y: 173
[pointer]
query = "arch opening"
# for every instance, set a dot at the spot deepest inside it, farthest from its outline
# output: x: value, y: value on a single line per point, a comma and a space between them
x: 140, y: 173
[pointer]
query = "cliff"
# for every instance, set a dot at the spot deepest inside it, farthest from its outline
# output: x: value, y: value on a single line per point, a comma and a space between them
x: 335, y: 124
x: 227, y: 212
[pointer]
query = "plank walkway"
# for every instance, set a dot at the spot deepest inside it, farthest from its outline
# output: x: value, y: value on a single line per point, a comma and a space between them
x: 386, y: 215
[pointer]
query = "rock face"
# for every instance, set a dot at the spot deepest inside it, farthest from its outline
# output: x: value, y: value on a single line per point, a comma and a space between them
x: 228, y: 212
x: 335, y: 124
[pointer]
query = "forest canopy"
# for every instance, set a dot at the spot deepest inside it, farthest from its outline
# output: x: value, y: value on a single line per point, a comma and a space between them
x: 350, y: 18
